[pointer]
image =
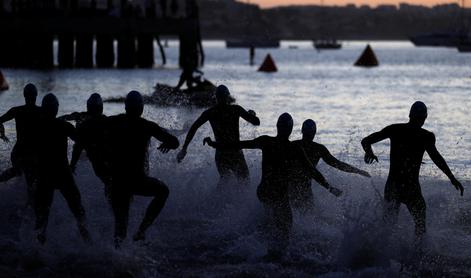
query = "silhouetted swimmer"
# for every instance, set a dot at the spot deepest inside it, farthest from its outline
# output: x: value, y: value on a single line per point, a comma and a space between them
x: 409, y: 142
x: 278, y: 157
x: 187, y: 76
x: 224, y: 119
x: 252, y: 55
x: 300, y: 192
x: 54, y: 170
x: 128, y: 137
x: 91, y: 127
x: 23, y: 156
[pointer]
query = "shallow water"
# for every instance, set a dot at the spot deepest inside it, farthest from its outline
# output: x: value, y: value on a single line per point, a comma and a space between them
x: 196, y: 235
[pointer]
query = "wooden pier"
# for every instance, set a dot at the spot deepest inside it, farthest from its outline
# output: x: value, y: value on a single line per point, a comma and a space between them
x: 88, y: 40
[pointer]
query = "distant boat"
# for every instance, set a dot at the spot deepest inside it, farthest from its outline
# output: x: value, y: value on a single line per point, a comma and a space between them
x: 464, y: 46
x: 257, y: 43
x: 445, y: 39
x: 437, y: 39
x: 327, y: 44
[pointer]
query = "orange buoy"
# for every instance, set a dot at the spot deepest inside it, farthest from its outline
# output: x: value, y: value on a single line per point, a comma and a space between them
x: 268, y: 65
x: 3, y: 82
x: 367, y: 58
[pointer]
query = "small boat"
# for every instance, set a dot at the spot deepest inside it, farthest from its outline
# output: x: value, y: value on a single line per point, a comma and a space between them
x: 257, y: 43
x: 327, y: 44
x: 437, y: 39
x: 464, y: 47
x: 164, y: 95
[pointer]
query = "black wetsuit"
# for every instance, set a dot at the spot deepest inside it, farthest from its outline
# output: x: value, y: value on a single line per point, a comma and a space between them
x: 301, y: 196
x: 300, y: 191
x: 23, y: 157
x: 224, y: 120
x: 280, y: 161
x: 408, y: 145
x: 54, y: 171
x: 91, y: 134
x: 128, y: 138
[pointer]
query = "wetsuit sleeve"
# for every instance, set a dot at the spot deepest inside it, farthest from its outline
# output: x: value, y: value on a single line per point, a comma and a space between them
x: 196, y: 125
x: 78, y: 147
x: 375, y: 138
x: 257, y: 143
x: 170, y: 141
x: 310, y: 169
x: 76, y: 152
x: 8, y: 116
x: 334, y: 162
x: 70, y: 131
x: 248, y: 117
x: 75, y: 116
x: 436, y: 157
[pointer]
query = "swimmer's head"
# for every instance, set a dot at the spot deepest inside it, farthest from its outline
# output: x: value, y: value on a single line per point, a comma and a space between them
x: 284, y: 125
x: 223, y: 95
x: 418, y: 113
x: 95, y: 104
x: 50, y: 105
x: 309, y: 129
x: 30, y: 93
x: 134, y: 104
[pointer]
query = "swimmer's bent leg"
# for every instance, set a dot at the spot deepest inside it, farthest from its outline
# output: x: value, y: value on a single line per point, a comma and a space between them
x: 42, y: 204
x: 228, y: 162
x: 120, y: 201
x: 417, y: 209
x: 241, y: 170
x: 74, y: 201
x: 151, y: 187
x: 102, y: 172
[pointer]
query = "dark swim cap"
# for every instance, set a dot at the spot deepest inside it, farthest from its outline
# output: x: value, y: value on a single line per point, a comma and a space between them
x: 285, y: 120
x: 134, y: 103
x: 418, y: 110
x: 223, y: 95
x: 50, y: 104
x: 309, y: 127
x: 95, y: 103
x: 30, y: 91
x: 94, y: 100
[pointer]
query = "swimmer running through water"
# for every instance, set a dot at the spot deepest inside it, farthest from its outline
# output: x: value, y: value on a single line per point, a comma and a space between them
x: 409, y: 142
x: 224, y: 120
x: 23, y: 158
x: 278, y: 157
x: 300, y: 192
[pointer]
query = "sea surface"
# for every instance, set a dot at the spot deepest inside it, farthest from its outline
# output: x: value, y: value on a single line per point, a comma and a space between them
x: 204, y: 232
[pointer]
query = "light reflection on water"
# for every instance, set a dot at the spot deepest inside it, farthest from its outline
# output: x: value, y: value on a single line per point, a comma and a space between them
x: 348, y: 103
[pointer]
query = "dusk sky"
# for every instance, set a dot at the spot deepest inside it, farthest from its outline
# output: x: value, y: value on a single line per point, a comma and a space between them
x: 269, y: 3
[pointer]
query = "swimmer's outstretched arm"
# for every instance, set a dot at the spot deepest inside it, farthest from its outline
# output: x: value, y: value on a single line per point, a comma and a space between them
x: 169, y: 142
x: 438, y: 159
x: 366, y: 143
x: 316, y: 175
x: 10, y: 115
x: 76, y: 151
x: 72, y: 117
x: 256, y: 143
x: 342, y: 166
x: 191, y: 133
x: 250, y: 116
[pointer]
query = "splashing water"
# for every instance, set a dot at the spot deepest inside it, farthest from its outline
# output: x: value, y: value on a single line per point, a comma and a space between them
x: 202, y: 232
